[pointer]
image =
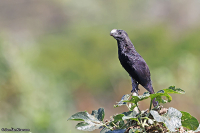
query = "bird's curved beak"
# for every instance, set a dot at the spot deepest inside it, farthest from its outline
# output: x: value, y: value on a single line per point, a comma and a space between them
x: 114, y: 31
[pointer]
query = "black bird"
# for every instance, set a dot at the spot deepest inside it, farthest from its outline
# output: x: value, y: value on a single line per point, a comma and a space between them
x: 133, y: 62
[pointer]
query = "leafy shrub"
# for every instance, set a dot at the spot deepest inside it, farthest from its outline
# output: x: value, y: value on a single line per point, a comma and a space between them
x: 158, y: 119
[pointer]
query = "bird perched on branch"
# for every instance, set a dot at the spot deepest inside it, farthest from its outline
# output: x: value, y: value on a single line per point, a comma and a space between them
x: 133, y: 62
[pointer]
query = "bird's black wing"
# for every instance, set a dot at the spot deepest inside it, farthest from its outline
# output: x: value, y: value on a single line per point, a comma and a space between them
x: 142, y: 70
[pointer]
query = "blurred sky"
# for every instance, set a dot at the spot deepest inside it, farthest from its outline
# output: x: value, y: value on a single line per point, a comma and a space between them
x: 57, y: 57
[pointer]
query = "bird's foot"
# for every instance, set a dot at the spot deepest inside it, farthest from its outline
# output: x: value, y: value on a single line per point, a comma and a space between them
x: 135, y: 87
x: 135, y: 90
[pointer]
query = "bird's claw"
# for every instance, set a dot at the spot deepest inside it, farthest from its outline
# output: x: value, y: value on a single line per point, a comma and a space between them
x: 134, y: 90
x: 135, y: 87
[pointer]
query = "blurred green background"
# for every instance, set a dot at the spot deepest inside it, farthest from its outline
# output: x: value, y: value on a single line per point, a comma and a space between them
x: 57, y: 57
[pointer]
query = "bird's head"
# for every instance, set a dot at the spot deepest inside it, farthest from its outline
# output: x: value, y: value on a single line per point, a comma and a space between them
x: 119, y: 34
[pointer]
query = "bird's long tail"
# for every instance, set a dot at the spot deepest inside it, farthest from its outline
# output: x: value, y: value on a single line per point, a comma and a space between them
x: 149, y: 87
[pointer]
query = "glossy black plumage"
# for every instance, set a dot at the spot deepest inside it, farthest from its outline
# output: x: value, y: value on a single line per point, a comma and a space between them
x: 133, y: 62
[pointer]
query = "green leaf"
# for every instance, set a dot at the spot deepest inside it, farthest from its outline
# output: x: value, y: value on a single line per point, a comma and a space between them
x: 136, y: 99
x: 80, y: 116
x: 172, y: 119
x: 90, y: 122
x: 161, y: 100
x: 127, y: 113
x: 131, y: 116
x: 172, y: 89
x: 189, y: 121
x: 118, y: 117
x: 87, y: 126
x: 120, y: 103
x: 166, y: 92
x: 132, y: 107
x: 121, y: 124
x: 99, y: 114
x: 159, y: 95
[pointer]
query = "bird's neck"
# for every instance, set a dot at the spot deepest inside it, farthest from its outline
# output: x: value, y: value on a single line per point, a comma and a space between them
x: 126, y: 46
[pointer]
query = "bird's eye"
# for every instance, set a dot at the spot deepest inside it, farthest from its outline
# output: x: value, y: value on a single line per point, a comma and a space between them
x: 120, y: 33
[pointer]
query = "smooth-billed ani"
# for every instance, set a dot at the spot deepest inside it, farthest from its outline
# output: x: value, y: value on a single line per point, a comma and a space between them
x: 133, y: 62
